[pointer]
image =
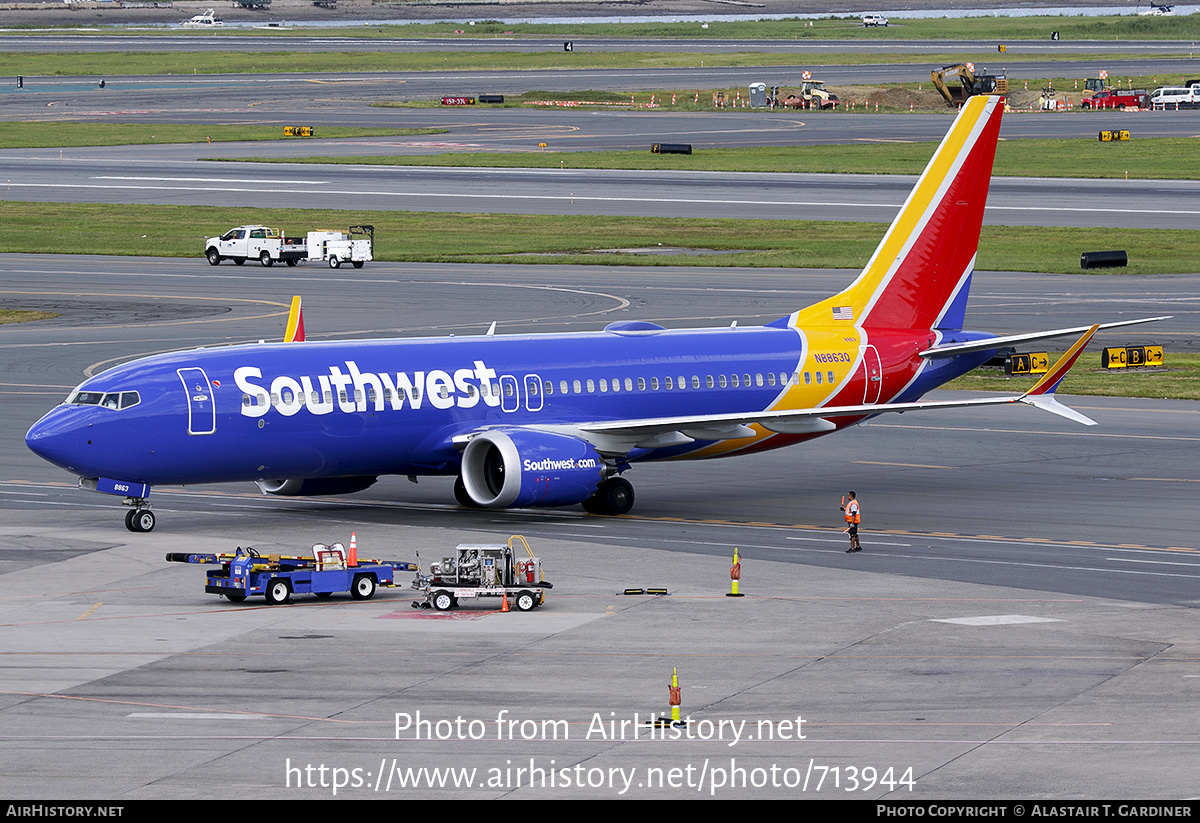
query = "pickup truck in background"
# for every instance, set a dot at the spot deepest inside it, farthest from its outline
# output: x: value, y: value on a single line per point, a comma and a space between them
x: 266, y: 245
x: 270, y: 246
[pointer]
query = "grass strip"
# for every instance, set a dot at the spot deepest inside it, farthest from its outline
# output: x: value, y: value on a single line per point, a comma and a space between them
x: 55, y: 134
x: 1002, y: 29
x: 21, y: 316
x: 179, y: 231
x: 116, y: 64
x: 1179, y: 379
x: 1166, y: 158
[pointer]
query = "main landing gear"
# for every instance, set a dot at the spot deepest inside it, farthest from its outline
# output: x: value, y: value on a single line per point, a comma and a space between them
x: 460, y: 494
x: 139, y: 518
x: 615, y: 496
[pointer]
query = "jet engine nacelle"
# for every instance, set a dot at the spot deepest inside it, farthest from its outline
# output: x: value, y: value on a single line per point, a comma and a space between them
x: 514, y: 467
x: 314, y: 487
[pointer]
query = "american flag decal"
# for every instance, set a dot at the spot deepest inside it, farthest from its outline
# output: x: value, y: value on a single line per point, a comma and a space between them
x: 843, y: 313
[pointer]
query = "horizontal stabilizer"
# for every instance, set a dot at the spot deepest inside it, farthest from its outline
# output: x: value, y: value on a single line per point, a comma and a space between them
x: 955, y: 349
x: 1047, y: 402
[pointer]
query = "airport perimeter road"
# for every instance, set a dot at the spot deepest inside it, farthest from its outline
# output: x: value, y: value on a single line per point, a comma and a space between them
x: 1022, y: 620
x: 95, y: 175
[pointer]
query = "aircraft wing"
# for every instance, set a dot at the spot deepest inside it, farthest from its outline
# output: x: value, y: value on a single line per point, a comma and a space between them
x: 620, y: 436
x: 721, y: 426
x: 955, y: 349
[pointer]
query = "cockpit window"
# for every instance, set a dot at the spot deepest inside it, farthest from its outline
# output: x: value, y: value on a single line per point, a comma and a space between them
x: 109, y: 400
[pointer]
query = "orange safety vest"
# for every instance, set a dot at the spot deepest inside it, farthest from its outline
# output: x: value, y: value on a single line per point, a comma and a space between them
x: 852, y: 512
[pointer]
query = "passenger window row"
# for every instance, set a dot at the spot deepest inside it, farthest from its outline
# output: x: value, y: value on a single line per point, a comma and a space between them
x: 589, y: 386
x: 672, y: 383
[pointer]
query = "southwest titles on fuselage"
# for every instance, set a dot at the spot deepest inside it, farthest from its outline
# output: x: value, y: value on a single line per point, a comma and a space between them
x: 465, y: 388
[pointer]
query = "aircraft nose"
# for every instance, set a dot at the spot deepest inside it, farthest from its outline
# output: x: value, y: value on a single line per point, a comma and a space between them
x: 61, y: 437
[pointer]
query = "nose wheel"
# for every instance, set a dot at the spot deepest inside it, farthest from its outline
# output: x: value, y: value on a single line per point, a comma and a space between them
x: 139, y: 520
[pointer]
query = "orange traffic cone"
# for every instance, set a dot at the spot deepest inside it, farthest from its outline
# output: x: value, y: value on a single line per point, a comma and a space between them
x: 353, y: 559
x: 504, y: 603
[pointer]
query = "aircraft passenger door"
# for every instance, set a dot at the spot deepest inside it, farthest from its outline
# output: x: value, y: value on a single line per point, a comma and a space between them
x: 533, y: 393
x: 874, y: 375
x: 202, y: 411
x: 510, y: 398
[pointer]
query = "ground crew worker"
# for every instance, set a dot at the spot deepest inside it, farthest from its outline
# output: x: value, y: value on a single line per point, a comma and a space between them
x: 850, y: 511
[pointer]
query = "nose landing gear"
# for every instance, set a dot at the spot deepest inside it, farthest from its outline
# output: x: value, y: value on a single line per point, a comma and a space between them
x: 139, y: 518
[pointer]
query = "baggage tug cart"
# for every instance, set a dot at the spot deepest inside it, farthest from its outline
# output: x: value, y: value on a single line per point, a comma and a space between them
x: 246, y: 573
x: 484, y: 571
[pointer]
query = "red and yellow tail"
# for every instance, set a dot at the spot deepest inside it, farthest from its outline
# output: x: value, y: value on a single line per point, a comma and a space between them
x: 920, y: 274
x: 294, y: 333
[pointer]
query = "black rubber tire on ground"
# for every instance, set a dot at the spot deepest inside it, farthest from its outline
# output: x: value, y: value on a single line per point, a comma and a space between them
x: 460, y: 494
x: 139, y: 520
x: 214, y: 257
x: 363, y: 587
x: 278, y: 591
x: 617, y: 495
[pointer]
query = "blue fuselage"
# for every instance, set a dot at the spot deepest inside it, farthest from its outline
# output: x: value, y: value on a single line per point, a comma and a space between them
x: 364, y: 408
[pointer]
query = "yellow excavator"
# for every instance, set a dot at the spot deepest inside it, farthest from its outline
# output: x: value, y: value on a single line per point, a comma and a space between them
x: 970, y: 83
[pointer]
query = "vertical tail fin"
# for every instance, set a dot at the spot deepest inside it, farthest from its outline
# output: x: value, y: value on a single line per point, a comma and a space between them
x: 294, y: 333
x: 920, y: 274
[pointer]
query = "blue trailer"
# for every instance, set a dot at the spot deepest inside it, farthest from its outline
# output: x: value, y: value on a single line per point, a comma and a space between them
x: 246, y: 573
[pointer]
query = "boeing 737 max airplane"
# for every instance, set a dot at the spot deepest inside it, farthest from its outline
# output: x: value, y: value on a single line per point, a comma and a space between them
x: 555, y: 420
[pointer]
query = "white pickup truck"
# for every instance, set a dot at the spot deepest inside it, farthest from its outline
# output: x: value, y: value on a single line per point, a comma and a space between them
x: 267, y: 246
